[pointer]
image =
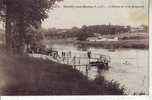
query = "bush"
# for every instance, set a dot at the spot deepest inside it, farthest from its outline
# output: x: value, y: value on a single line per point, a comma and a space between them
x: 111, y: 87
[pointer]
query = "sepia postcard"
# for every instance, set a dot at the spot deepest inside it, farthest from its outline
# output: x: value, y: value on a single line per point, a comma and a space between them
x: 74, y: 47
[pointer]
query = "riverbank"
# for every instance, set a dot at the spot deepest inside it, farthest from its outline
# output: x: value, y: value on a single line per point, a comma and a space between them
x: 22, y: 75
x: 135, y: 44
x: 125, y: 40
x: 128, y: 44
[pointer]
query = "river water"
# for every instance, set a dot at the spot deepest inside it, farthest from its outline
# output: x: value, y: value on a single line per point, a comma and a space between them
x: 129, y: 67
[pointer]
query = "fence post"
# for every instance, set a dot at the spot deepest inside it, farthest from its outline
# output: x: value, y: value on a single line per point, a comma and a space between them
x: 74, y: 62
x: 86, y: 70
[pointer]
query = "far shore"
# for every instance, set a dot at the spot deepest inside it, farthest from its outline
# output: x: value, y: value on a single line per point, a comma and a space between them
x: 134, y: 44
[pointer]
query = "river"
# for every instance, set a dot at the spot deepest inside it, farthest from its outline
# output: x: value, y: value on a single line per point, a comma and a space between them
x: 129, y: 67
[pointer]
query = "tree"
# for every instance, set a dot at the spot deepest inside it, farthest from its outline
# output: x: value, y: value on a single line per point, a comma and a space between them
x: 83, y: 34
x: 34, y: 39
x: 18, y: 16
x: 33, y: 36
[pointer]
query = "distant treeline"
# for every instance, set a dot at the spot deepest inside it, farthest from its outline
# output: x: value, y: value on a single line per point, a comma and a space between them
x: 87, y: 31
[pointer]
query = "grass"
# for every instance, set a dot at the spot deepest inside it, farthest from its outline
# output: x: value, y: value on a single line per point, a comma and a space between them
x: 21, y: 75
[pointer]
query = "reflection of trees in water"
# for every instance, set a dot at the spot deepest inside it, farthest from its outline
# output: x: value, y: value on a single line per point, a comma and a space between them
x: 82, y: 47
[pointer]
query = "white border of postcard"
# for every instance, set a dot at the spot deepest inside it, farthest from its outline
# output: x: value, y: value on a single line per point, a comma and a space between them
x: 96, y: 97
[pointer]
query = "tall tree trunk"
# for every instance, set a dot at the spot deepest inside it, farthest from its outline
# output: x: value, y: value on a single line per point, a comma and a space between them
x: 8, y: 30
x: 21, y: 31
x: 15, y: 31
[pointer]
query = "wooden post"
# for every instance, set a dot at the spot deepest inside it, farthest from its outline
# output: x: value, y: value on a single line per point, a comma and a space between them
x: 99, y: 71
x: 67, y: 60
x: 74, y: 62
x: 86, y: 70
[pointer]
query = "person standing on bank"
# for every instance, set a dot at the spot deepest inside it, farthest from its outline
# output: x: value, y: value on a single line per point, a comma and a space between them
x: 89, y: 54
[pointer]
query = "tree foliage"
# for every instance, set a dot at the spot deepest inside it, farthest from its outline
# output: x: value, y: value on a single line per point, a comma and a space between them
x: 32, y: 11
x: 87, y: 31
x: 21, y: 14
x: 83, y: 34
x: 33, y: 35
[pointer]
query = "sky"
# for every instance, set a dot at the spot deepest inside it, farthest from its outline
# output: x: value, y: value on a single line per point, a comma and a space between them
x: 64, y: 16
